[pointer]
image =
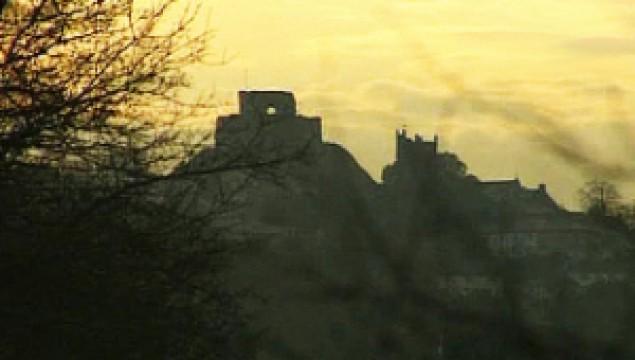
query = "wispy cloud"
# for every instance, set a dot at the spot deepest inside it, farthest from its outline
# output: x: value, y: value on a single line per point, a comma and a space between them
x: 602, y: 46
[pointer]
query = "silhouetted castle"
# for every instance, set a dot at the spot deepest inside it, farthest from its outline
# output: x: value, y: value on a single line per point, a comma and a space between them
x: 467, y: 238
x: 417, y: 149
x: 525, y: 221
x: 268, y: 118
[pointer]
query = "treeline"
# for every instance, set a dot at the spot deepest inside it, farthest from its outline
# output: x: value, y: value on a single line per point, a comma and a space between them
x: 99, y: 255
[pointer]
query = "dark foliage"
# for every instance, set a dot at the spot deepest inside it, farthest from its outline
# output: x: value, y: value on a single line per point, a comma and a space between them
x: 98, y: 256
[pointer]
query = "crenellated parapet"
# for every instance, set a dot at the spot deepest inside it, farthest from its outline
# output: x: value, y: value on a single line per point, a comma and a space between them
x: 416, y: 149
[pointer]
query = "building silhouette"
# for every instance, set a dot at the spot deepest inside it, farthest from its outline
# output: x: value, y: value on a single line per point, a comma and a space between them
x: 491, y: 247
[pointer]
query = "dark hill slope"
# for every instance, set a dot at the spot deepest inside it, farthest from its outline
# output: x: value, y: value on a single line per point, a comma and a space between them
x: 310, y: 229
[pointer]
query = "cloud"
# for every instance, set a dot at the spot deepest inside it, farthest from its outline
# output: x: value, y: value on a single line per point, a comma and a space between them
x: 603, y: 46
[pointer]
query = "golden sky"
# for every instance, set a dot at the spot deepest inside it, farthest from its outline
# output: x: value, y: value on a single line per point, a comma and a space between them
x: 541, y: 89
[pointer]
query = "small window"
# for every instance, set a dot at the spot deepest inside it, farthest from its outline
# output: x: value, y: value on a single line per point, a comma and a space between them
x: 271, y: 110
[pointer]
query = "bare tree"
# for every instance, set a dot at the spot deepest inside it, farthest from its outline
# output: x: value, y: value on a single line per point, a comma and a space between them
x: 100, y: 251
x: 599, y: 197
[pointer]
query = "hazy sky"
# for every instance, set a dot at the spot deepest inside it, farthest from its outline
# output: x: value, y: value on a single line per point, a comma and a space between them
x: 535, y: 88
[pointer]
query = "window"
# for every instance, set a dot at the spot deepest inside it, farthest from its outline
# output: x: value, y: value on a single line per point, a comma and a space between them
x: 271, y: 110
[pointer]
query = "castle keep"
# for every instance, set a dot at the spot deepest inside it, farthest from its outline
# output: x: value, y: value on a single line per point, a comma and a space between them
x: 267, y: 119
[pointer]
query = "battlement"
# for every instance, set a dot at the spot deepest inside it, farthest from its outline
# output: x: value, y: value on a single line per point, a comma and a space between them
x: 409, y: 149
